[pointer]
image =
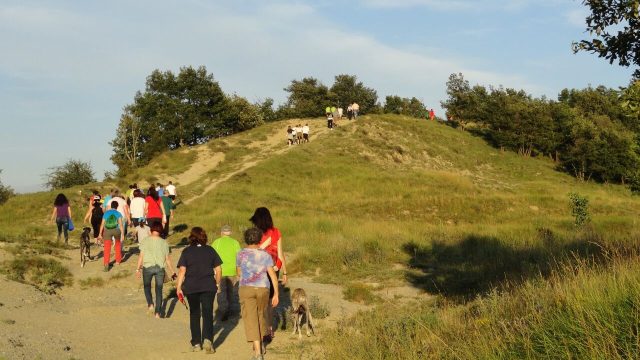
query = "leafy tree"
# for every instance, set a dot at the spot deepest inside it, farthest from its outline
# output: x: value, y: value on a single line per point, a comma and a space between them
x: 346, y: 90
x: 266, y: 110
x: 245, y: 114
x: 614, y: 28
x: 307, y: 98
x: 73, y: 172
x: 128, y: 141
x: 412, y: 107
x: 6, y: 192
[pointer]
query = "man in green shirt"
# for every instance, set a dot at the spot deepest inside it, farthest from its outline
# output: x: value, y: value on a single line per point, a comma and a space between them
x: 228, y: 248
x: 168, y: 205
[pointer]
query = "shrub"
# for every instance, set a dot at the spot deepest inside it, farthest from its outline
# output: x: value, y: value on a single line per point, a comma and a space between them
x: 5, y: 192
x: 579, y: 209
x: 361, y: 293
x: 46, y: 275
x: 74, y: 172
x: 91, y: 282
x: 318, y: 310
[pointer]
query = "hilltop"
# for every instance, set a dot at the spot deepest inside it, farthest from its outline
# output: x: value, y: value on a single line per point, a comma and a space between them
x: 387, y: 207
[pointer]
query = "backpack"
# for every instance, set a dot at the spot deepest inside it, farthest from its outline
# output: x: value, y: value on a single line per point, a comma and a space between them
x: 111, y: 222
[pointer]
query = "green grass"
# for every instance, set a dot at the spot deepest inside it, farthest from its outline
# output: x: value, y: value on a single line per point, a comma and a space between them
x: 91, y: 282
x: 360, y: 293
x: 395, y: 200
x: 46, y: 274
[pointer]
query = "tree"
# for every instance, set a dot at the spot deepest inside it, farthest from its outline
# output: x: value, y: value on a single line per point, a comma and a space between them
x: 307, y: 98
x: 246, y: 115
x: 346, y: 90
x: 5, y: 192
x: 72, y: 173
x: 128, y: 142
x: 411, y: 107
x: 614, y: 28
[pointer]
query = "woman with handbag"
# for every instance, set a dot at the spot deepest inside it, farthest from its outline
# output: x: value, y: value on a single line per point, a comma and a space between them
x: 62, y: 215
x: 154, y: 256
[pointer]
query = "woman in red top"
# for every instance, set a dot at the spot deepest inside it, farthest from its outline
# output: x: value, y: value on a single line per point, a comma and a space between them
x: 271, y: 242
x: 153, y: 209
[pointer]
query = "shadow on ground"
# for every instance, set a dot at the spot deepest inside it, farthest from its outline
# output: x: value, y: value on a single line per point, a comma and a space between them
x: 476, y: 264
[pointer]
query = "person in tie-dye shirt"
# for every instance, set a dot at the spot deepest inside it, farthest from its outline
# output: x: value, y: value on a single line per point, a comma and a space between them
x: 253, y: 266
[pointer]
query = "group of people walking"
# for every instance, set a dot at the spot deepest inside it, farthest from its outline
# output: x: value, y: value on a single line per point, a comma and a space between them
x: 334, y: 114
x: 204, y: 269
x: 297, y: 134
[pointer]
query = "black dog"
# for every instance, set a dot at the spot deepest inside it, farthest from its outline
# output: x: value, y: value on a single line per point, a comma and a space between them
x: 85, y: 246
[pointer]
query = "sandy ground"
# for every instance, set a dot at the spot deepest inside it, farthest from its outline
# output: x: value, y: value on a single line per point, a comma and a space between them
x: 111, y: 322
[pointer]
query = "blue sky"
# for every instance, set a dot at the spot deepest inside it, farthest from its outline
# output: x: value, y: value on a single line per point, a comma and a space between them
x: 69, y: 67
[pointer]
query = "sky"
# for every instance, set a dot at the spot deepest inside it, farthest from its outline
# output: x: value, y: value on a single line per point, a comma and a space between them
x: 68, y: 68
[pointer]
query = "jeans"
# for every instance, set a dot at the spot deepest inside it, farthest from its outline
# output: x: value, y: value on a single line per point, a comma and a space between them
x: 201, y: 306
x: 226, y: 297
x: 149, y: 273
x: 63, y: 223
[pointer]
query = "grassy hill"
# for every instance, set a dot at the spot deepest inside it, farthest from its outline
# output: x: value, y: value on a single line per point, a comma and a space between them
x: 394, y: 201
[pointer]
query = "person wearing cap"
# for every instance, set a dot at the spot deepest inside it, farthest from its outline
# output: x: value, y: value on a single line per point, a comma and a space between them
x: 228, y: 248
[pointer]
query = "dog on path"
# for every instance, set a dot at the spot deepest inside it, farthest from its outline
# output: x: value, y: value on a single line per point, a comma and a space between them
x: 300, y: 307
x: 85, y: 244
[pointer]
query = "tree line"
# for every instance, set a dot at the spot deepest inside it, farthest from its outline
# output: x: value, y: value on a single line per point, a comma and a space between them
x: 190, y: 108
x: 592, y: 133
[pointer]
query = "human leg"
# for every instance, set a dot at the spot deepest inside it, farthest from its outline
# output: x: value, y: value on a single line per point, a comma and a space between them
x: 118, y: 250
x: 194, y: 318
x: 106, y: 256
x: 206, y: 301
x: 159, y: 278
x: 223, y: 299
x: 147, y: 275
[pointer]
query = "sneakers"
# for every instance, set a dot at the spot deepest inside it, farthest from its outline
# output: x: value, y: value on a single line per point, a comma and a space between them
x: 208, y: 347
x: 195, y: 347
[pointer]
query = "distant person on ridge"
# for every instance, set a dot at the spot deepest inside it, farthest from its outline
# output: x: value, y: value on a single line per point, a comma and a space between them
x: 350, y: 112
x: 330, y: 122
x: 228, y: 248
x: 299, y: 134
x: 289, y: 136
x: 294, y: 132
x: 61, y: 214
x: 432, y: 115
x: 356, y: 108
x: 340, y: 111
x: 305, y: 132
x: 327, y: 111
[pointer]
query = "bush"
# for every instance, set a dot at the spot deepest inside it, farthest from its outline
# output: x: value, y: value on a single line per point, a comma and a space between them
x: 5, y: 192
x: 46, y: 275
x: 579, y: 209
x: 74, y: 172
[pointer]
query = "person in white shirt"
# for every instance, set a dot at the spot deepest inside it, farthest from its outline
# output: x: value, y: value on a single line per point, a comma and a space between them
x: 305, y: 132
x: 355, y: 107
x: 340, y: 111
x: 295, y: 134
x: 171, y: 189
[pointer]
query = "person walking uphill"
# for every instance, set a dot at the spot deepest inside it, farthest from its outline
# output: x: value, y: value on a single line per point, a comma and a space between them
x: 154, y: 256
x: 197, y: 265
x: 255, y: 268
x: 153, y: 209
x: 112, y: 226
x: 62, y: 215
x: 271, y: 242
x: 228, y: 248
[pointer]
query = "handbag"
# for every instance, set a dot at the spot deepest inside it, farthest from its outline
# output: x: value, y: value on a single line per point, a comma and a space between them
x: 70, y: 226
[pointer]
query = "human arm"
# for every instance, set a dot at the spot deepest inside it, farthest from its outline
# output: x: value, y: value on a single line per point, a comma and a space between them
x: 69, y: 210
x: 169, y: 263
x: 182, y: 270
x: 121, y: 223
x: 139, y: 265
x: 127, y: 212
x: 146, y: 209
x: 87, y: 215
x: 164, y: 213
x: 101, y: 229
x: 274, y: 281
x: 283, y: 267
x: 218, y: 275
x: 265, y: 243
x: 53, y: 215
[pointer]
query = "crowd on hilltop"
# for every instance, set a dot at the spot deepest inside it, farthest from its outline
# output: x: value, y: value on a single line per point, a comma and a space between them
x: 204, y: 270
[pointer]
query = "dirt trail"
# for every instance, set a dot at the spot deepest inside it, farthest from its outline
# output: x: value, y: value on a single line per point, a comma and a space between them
x: 110, y: 322
x: 274, y: 145
x: 206, y: 161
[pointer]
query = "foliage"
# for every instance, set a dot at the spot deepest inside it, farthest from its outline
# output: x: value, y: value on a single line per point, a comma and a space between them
x: 579, y: 209
x: 319, y: 310
x: 404, y: 106
x: 175, y: 111
x: 614, y: 27
x: 307, y: 98
x: 72, y: 173
x: 361, y: 293
x: 586, y: 131
x: 346, y: 89
x: 91, y: 282
x: 6, y: 192
x: 47, y: 275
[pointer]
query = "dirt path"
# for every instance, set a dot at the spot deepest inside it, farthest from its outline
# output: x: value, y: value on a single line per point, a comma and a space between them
x: 274, y: 145
x: 110, y: 321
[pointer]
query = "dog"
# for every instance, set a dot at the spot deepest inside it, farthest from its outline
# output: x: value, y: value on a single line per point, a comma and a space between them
x: 300, y: 307
x: 85, y: 246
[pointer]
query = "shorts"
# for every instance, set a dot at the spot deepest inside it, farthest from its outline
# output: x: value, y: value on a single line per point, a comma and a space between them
x: 137, y: 221
x: 299, y: 136
x: 305, y: 136
x: 108, y: 233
